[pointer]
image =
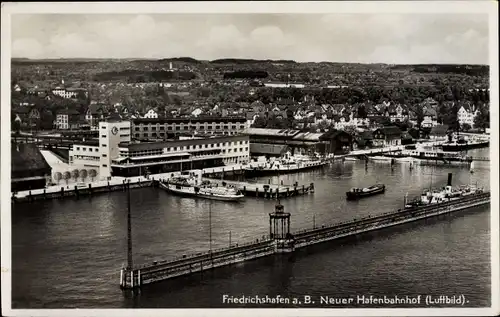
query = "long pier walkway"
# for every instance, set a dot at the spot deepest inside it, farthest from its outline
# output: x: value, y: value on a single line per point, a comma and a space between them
x: 280, y: 240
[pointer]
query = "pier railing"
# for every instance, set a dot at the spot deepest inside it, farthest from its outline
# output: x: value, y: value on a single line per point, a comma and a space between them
x: 191, y: 256
x: 380, y: 217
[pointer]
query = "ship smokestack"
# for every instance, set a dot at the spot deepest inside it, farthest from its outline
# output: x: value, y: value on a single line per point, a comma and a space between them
x: 449, y: 178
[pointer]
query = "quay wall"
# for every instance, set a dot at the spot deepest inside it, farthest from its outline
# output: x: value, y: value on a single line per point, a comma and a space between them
x: 58, y: 192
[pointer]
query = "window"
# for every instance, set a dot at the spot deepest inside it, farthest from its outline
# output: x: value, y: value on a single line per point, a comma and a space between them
x: 145, y: 129
x: 137, y: 135
x: 104, y: 155
x: 103, y: 136
x: 104, y: 165
x: 104, y: 145
x: 84, y: 149
x: 153, y: 129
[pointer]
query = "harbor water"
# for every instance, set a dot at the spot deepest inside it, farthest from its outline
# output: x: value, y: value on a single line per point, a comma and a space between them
x: 68, y: 253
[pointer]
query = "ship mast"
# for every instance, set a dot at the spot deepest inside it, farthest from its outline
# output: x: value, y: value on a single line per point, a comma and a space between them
x: 210, y: 225
x: 129, y: 230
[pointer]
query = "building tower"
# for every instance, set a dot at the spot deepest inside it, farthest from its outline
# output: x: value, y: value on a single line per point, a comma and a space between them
x: 279, y: 229
x: 112, y: 132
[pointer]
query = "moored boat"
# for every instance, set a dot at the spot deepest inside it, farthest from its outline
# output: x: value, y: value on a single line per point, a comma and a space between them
x: 189, y: 185
x: 435, y: 196
x: 287, y: 164
x: 357, y: 193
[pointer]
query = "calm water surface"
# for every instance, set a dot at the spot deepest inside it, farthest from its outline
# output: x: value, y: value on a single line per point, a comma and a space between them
x: 67, y: 253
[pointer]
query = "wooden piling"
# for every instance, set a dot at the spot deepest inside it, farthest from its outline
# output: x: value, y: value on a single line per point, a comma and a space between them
x: 76, y: 192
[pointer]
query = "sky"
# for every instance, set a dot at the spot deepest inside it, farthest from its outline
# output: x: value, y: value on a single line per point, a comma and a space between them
x: 363, y: 38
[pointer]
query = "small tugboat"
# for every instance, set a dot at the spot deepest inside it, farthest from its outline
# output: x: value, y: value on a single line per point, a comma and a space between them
x: 190, y: 185
x: 357, y: 193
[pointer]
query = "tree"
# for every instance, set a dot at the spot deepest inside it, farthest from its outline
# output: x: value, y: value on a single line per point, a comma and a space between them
x: 419, y: 113
x: 362, y: 112
x: 92, y: 174
x: 482, y: 119
x: 451, y: 118
x: 75, y: 173
x: 465, y: 127
x: 67, y: 176
x: 58, y: 176
x: 259, y: 122
x: 83, y: 174
x: 16, y: 126
x: 351, y: 130
x: 322, y: 125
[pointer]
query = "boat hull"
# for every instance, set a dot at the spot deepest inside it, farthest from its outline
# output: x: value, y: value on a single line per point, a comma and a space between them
x: 464, y: 147
x: 252, y: 172
x: 358, y: 195
x: 188, y: 193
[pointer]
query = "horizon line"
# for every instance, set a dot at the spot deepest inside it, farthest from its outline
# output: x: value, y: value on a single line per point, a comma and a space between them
x: 237, y: 58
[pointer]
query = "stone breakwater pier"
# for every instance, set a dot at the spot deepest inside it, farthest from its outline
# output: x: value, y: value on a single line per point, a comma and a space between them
x: 281, y: 240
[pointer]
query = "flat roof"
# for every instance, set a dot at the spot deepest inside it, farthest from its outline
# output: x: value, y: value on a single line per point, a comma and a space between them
x: 272, y: 132
x: 189, y: 119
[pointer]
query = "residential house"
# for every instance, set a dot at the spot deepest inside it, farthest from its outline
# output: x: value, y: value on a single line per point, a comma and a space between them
x: 251, y: 116
x: 406, y: 138
x: 430, y: 118
x: 344, y: 121
x: 69, y: 93
x: 467, y: 113
x: 439, y: 132
x: 363, y: 140
x: 196, y: 112
x: 414, y: 133
x: 97, y: 112
x: 387, y: 136
x: 67, y: 119
x: 151, y: 114
x: 397, y: 113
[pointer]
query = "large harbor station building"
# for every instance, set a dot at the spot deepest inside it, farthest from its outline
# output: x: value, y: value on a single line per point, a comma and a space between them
x: 117, y: 154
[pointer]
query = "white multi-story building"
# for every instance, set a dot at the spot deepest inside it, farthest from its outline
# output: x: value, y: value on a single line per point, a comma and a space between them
x: 69, y: 92
x: 151, y: 114
x: 115, y: 154
x: 111, y: 134
x: 467, y: 114
x: 85, y: 155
